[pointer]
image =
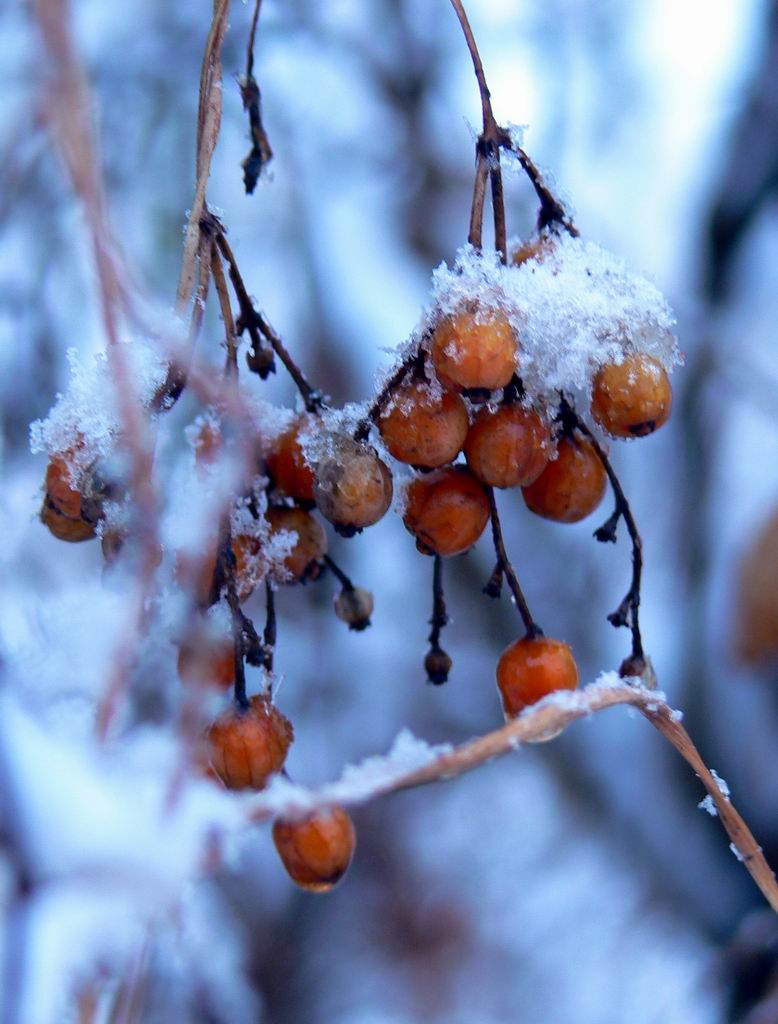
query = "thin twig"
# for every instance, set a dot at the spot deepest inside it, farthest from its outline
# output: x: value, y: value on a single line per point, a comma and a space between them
x: 505, y: 568
x: 412, y: 362
x: 209, y: 114
x: 220, y: 282
x: 251, y: 318
x: 336, y: 571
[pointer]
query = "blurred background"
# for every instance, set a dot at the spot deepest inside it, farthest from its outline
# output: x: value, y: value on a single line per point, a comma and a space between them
x: 576, y: 882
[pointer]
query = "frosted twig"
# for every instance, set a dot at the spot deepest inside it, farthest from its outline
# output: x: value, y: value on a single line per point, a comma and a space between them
x: 549, y: 716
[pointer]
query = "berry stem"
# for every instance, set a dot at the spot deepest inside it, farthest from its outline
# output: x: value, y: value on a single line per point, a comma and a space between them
x: 439, y: 618
x: 335, y: 569
x: 253, y: 321
x: 505, y: 568
x: 271, y: 625
x: 628, y: 612
x: 415, y: 360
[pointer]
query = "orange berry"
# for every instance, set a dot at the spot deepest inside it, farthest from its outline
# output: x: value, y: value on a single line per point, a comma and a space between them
x: 422, y: 429
x: 317, y: 851
x: 508, y: 446
x: 65, y: 528
x: 534, y: 249
x: 530, y: 668
x: 633, y: 398
x: 59, y: 490
x: 353, y: 487
x: 207, y: 662
x: 286, y: 463
x: 446, y: 511
x: 304, y: 560
x: 474, y: 352
x: 572, y: 486
x: 247, y: 746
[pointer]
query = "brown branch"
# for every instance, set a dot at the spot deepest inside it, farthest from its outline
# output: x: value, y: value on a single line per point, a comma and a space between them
x: 550, y: 716
x: 230, y: 336
x: 209, y: 114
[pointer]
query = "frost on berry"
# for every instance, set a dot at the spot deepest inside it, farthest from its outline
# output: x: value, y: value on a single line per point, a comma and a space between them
x: 85, y: 418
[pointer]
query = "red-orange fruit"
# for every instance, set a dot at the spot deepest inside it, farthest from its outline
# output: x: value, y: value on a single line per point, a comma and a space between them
x: 206, y: 662
x: 446, y: 511
x: 756, y: 621
x: 474, y: 351
x: 353, y: 486
x: 65, y: 528
x: 317, y: 851
x: 508, y: 446
x: 534, y: 249
x: 246, y: 747
x: 529, y: 669
x: 286, y: 463
x: 59, y: 490
x: 571, y: 486
x: 304, y: 560
x: 633, y: 398
x: 423, y: 429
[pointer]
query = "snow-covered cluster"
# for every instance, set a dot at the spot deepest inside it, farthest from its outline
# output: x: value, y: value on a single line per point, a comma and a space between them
x: 573, y: 307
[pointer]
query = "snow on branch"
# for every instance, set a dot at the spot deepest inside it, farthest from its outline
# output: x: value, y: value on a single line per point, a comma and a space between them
x: 412, y: 763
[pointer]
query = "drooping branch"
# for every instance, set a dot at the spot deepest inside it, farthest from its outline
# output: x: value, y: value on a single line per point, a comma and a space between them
x: 548, y: 717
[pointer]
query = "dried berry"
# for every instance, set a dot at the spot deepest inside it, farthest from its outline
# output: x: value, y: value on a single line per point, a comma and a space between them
x: 354, y: 606
x: 247, y: 746
x: 571, y: 486
x: 532, y: 667
x: 508, y: 446
x: 446, y: 511
x: 60, y: 491
x: 353, y: 487
x: 474, y: 351
x: 286, y: 463
x: 632, y: 398
x: 316, y: 851
x: 424, y: 429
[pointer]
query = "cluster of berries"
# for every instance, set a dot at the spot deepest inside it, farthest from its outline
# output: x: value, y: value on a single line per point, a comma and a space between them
x: 458, y: 392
